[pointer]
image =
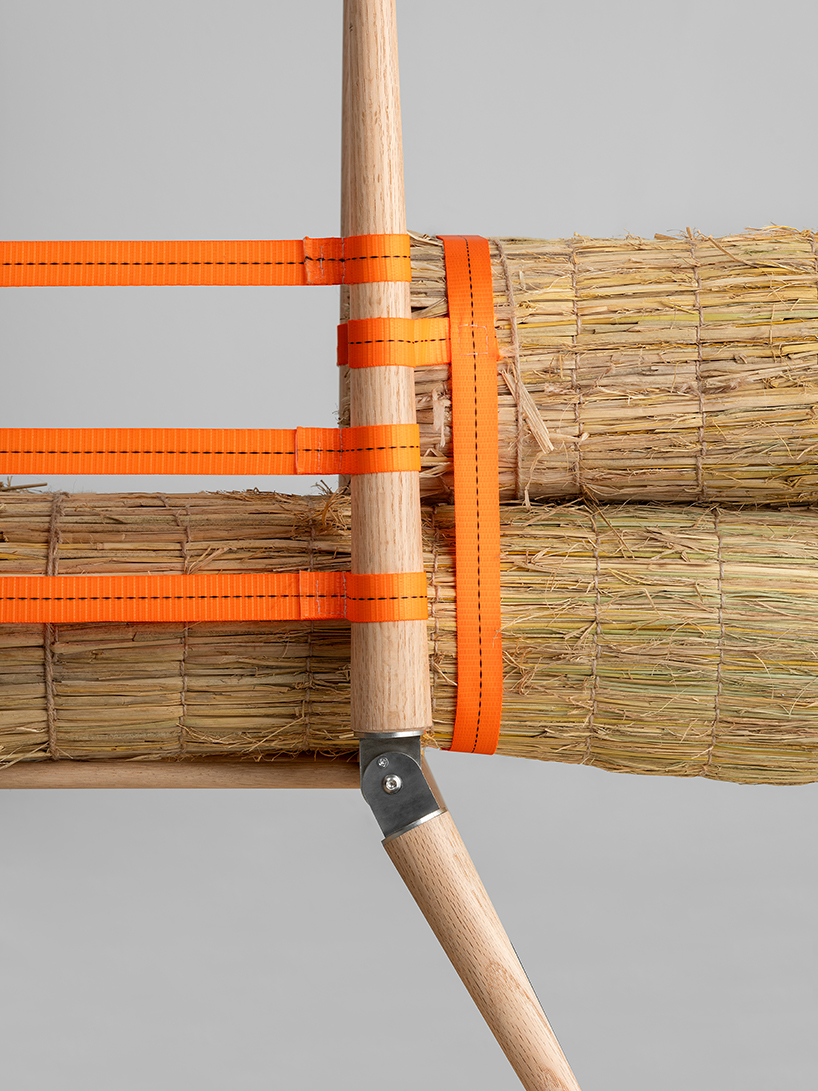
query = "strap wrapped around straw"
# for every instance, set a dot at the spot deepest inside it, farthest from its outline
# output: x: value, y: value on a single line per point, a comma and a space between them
x: 644, y: 639
x: 672, y: 369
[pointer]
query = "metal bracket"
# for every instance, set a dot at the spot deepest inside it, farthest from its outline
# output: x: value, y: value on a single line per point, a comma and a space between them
x: 393, y: 784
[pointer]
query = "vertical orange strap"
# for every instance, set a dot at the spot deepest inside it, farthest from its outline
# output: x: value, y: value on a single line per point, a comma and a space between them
x: 477, y: 506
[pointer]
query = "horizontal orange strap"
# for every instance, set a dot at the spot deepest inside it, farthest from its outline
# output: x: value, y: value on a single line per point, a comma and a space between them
x: 358, y: 259
x: 394, y: 342
x: 366, y: 449
x: 266, y: 596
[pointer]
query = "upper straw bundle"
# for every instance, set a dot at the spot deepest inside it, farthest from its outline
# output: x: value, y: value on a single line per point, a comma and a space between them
x: 672, y: 369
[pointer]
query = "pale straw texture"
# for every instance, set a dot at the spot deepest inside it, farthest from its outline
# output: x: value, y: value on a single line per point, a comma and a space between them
x: 673, y: 369
x: 639, y: 638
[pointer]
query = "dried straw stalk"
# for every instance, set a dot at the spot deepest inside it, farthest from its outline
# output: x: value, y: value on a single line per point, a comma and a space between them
x: 673, y: 369
x: 638, y: 638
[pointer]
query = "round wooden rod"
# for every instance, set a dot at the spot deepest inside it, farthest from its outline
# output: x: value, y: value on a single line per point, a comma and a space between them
x: 300, y: 772
x: 433, y: 862
x: 389, y: 664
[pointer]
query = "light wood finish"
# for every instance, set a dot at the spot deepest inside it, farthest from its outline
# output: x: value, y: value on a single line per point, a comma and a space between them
x: 389, y: 665
x: 306, y: 772
x: 433, y: 862
x: 346, y: 149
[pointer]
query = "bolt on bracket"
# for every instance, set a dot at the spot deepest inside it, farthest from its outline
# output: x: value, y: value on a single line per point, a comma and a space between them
x: 393, y: 784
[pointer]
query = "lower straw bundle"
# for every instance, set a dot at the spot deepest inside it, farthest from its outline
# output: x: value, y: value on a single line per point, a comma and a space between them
x: 637, y: 638
x: 664, y: 369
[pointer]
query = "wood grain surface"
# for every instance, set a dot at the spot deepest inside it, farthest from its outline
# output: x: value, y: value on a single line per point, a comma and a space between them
x: 390, y: 676
x: 433, y: 862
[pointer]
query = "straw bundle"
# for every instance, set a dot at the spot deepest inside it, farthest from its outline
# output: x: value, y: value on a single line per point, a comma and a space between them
x: 674, y: 369
x: 638, y: 638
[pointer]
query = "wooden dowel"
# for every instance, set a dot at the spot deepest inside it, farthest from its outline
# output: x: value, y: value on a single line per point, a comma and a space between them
x: 301, y: 772
x: 389, y: 665
x: 433, y: 862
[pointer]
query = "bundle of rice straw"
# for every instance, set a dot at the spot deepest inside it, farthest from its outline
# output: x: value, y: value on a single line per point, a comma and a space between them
x: 673, y: 369
x: 638, y: 638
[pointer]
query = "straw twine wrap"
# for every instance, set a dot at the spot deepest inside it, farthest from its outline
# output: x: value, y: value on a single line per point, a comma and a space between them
x: 674, y: 369
x: 638, y: 638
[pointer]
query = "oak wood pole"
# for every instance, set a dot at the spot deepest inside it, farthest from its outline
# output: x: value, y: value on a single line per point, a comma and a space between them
x: 389, y: 665
x: 388, y: 660
x: 435, y: 865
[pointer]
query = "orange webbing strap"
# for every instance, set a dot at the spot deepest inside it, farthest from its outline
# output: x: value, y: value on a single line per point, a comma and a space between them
x: 394, y: 342
x: 476, y: 494
x: 358, y: 259
x: 366, y: 449
x: 266, y: 596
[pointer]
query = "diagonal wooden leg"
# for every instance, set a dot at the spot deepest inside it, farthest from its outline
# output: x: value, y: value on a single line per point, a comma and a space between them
x: 436, y: 867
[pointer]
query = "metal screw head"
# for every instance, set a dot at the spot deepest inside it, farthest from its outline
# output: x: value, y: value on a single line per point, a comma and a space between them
x: 383, y: 761
x: 392, y: 784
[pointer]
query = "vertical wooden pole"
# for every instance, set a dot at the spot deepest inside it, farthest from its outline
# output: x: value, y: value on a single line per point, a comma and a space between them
x: 389, y: 660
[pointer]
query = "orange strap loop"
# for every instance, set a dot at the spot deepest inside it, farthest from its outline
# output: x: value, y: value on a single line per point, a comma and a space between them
x: 476, y: 495
x: 358, y: 259
x: 362, y: 450
x: 394, y: 342
x: 265, y: 596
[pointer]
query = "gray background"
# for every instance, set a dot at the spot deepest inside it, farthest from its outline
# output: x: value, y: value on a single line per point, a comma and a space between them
x: 253, y: 940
